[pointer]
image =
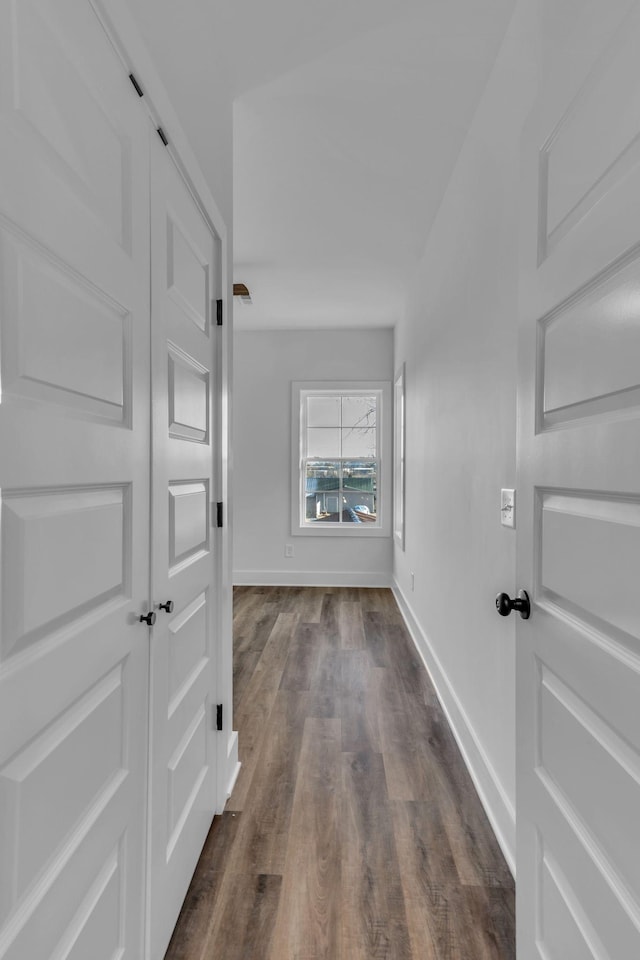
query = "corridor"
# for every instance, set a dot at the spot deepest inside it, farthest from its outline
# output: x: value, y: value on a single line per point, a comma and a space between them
x: 354, y: 831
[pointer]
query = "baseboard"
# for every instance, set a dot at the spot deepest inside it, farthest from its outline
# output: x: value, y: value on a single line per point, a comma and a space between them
x: 495, y: 801
x: 231, y: 771
x: 312, y: 578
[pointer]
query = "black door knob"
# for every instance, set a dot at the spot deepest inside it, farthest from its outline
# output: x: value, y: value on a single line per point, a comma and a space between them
x: 504, y: 604
x: 149, y: 619
x: 168, y: 606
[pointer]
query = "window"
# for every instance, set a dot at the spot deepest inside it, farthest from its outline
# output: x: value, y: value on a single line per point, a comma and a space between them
x: 339, y: 461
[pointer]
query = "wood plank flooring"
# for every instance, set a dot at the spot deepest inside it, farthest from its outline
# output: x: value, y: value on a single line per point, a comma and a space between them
x: 354, y: 831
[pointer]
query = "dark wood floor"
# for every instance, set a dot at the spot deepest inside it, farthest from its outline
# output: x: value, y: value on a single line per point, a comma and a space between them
x: 354, y: 831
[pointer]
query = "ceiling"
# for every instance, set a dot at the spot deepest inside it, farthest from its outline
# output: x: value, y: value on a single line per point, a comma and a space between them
x: 348, y: 118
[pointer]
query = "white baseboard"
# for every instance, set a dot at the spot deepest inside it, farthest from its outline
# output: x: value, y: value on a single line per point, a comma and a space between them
x: 495, y: 801
x: 231, y: 771
x: 313, y: 578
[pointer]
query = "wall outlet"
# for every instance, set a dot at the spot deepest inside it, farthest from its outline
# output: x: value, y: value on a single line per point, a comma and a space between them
x: 508, y: 508
x: 288, y: 549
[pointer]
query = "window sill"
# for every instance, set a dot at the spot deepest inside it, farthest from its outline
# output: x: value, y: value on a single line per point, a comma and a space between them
x: 357, y: 530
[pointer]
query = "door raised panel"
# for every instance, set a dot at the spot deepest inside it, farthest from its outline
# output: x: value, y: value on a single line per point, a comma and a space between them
x: 569, y: 727
x: 188, y: 650
x: 188, y: 711
x: 570, y: 873
x: 39, y: 594
x: 188, y: 397
x: 100, y: 910
x: 579, y: 535
x: 92, y: 918
x: 48, y: 85
x: 560, y: 917
x: 556, y: 917
x: 589, y: 348
x: 187, y: 769
x: 188, y: 275
x: 91, y: 734
x: 188, y: 522
x: 63, y: 341
x: 595, y: 146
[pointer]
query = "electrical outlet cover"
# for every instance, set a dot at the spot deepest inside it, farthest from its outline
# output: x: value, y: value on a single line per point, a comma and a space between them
x: 508, y: 508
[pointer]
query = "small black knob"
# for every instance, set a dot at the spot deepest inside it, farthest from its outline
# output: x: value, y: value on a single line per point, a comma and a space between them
x: 168, y: 606
x: 149, y: 619
x: 504, y: 604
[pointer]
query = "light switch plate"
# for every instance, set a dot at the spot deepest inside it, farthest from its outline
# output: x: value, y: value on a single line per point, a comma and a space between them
x: 508, y: 508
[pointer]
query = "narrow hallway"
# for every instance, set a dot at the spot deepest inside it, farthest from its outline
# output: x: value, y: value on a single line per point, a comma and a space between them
x: 354, y: 831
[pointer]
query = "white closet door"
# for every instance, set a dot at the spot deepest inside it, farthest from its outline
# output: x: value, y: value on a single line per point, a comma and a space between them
x: 183, y: 762
x: 74, y: 476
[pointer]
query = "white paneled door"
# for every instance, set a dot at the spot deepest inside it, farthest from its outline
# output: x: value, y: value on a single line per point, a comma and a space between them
x: 74, y: 476
x: 578, y: 659
x: 185, y: 278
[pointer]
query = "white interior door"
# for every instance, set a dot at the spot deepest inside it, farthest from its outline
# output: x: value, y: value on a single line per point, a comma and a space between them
x: 578, y: 658
x: 74, y: 476
x: 183, y: 735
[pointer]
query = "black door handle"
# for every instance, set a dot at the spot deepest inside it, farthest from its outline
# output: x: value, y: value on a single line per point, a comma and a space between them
x: 168, y: 606
x: 149, y: 618
x: 504, y: 604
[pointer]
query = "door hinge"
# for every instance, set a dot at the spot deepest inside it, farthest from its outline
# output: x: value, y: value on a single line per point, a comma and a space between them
x: 219, y: 514
x: 136, y: 85
x: 163, y: 136
x: 219, y: 716
x: 219, y: 312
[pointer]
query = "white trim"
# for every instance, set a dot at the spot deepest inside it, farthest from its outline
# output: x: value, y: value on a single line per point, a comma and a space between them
x: 495, y: 801
x: 311, y: 578
x: 399, y: 447
x: 232, y: 769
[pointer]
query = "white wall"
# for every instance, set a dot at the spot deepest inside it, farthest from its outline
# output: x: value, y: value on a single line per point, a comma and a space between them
x: 458, y: 339
x: 265, y: 364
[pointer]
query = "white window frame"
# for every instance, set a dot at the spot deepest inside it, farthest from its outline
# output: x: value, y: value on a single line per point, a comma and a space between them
x: 300, y: 389
x: 399, y: 433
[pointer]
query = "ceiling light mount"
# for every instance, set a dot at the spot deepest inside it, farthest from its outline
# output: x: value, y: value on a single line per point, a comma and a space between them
x: 242, y: 291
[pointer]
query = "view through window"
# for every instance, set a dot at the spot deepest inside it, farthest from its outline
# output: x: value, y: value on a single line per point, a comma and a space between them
x: 340, y: 465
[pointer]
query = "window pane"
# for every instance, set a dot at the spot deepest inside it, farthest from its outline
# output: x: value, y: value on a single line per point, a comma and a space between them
x: 359, y: 486
x: 359, y: 475
x: 323, y: 474
x: 358, y: 411
x: 322, y: 507
x: 359, y: 442
x: 322, y: 492
x: 323, y: 411
x: 323, y: 442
